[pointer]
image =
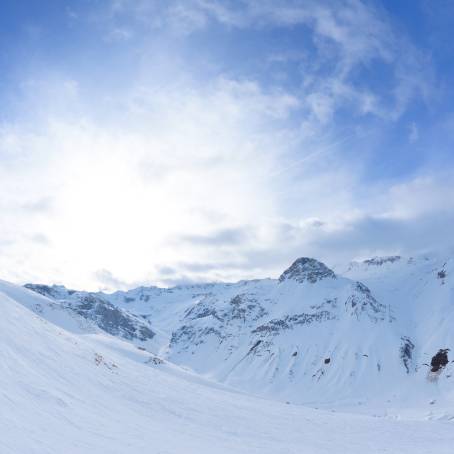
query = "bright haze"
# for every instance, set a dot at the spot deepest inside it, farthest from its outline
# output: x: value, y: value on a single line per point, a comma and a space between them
x: 165, y: 142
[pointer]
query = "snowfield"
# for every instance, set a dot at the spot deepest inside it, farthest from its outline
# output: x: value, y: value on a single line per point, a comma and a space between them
x: 67, y: 387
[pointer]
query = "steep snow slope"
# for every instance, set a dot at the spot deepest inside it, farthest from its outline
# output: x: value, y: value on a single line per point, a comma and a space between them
x: 421, y: 292
x: 63, y: 392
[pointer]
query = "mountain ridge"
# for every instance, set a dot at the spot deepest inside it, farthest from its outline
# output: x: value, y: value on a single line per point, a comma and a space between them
x: 312, y: 334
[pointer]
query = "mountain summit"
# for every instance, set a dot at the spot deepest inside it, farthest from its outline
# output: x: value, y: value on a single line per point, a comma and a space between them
x: 307, y: 269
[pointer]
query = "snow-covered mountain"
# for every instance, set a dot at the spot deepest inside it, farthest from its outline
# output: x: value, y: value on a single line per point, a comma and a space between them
x: 379, y: 330
x: 421, y: 293
x: 93, y: 311
x: 68, y: 387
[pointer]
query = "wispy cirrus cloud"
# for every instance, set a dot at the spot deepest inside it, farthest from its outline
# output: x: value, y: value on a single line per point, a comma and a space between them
x: 348, y: 37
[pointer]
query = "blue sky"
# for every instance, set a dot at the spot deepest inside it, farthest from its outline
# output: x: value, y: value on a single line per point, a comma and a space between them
x: 173, y: 141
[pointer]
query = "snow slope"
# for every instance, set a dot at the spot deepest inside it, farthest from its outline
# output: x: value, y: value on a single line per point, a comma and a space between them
x: 421, y: 293
x: 83, y: 392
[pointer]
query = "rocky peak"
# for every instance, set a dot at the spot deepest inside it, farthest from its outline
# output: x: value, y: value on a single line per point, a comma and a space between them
x: 307, y: 269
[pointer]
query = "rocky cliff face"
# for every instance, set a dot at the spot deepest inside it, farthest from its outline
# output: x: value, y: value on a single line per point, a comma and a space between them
x: 99, y: 311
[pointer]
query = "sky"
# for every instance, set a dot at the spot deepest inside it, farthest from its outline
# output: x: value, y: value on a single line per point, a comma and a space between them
x: 166, y: 142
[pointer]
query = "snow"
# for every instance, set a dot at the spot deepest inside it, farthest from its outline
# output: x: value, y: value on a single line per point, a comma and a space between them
x: 67, y: 390
x: 271, y: 337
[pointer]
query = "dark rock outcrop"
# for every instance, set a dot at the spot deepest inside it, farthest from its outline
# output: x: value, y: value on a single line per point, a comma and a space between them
x: 307, y: 269
x: 440, y: 360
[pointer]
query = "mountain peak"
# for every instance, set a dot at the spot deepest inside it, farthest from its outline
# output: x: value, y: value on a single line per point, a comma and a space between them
x: 307, y: 269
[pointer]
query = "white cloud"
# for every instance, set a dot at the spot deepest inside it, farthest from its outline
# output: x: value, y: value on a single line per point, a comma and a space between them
x: 173, y: 178
x: 111, y: 196
x: 190, y: 179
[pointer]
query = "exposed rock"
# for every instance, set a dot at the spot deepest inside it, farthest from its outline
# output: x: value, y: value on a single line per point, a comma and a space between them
x: 307, y: 269
x: 379, y: 261
x: 406, y: 352
x: 51, y: 291
x: 361, y: 301
x: 440, y: 360
x: 155, y: 360
x: 255, y: 346
x: 111, y: 319
x: 95, y: 308
x: 202, y: 310
x: 276, y: 326
x: 243, y: 307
